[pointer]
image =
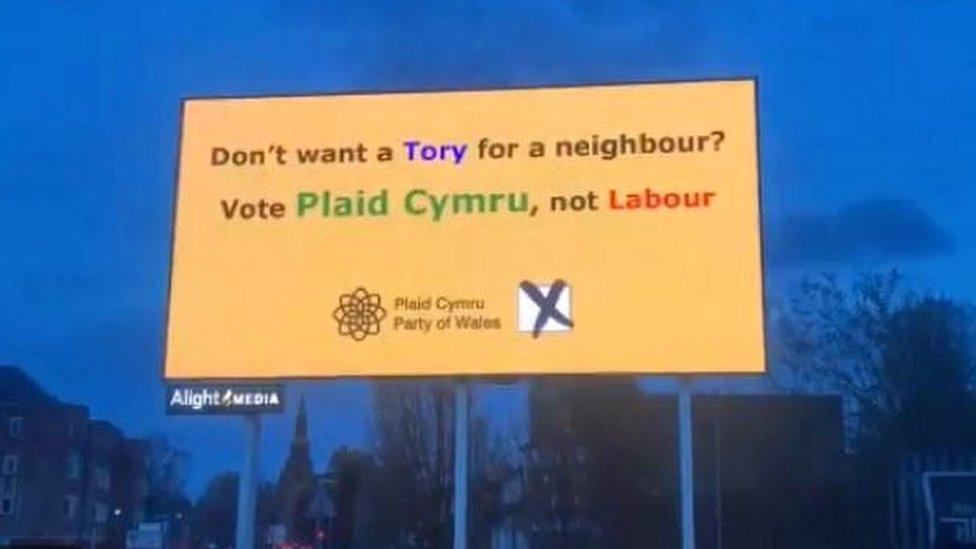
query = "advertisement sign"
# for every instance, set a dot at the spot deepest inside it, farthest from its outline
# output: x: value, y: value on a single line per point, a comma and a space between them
x: 573, y: 230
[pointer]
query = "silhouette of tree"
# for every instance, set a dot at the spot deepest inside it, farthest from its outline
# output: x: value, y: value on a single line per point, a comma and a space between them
x: 494, y: 473
x: 349, y: 469
x: 214, y: 517
x: 410, y: 494
x: 167, y: 470
x: 600, y: 464
x: 928, y: 367
x: 904, y: 363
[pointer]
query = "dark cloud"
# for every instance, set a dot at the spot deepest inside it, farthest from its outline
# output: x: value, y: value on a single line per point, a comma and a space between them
x: 868, y: 230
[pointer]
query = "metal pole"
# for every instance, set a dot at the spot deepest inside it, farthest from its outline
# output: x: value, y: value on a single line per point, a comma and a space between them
x: 718, y: 473
x: 686, y: 469
x: 247, y: 489
x: 461, y: 465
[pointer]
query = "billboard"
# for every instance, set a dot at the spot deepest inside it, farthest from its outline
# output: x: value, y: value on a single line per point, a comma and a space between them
x: 588, y: 229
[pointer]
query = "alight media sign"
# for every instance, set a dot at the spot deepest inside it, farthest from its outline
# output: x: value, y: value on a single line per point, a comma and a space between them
x: 224, y: 399
x: 551, y: 230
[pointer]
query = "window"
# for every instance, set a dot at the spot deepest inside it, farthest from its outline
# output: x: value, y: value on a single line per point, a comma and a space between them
x: 69, y: 506
x: 10, y: 464
x: 8, y: 493
x: 102, y: 478
x: 101, y: 513
x: 15, y: 427
x: 74, y: 467
x: 8, y: 487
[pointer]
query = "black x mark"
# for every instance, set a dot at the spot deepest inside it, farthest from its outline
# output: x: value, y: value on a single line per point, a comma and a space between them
x: 546, y: 303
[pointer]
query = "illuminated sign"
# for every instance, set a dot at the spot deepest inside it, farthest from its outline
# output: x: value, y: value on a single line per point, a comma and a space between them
x: 573, y: 230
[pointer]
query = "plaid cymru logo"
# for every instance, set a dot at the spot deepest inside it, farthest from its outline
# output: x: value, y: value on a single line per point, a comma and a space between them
x: 359, y: 314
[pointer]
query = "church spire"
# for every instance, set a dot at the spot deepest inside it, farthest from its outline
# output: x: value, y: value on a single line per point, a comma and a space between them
x: 301, y: 424
x: 296, y: 483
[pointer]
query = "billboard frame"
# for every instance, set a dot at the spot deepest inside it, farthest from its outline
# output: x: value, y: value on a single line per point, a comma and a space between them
x: 501, y: 378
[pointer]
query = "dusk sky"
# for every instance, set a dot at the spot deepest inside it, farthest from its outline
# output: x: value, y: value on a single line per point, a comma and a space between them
x: 867, y: 142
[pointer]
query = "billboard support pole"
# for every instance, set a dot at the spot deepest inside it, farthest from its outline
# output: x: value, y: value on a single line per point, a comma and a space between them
x: 686, y: 469
x: 461, y: 424
x: 247, y: 489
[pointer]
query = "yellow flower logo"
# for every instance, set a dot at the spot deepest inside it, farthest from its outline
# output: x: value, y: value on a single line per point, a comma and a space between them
x: 359, y: 314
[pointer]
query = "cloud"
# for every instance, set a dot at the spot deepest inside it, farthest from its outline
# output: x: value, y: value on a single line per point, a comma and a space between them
x: 867, y: 230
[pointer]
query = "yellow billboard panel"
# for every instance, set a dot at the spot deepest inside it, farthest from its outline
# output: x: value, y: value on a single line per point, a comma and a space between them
x: 597, y: 229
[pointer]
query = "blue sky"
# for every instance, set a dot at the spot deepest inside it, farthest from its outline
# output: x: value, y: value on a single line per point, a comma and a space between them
x: 868, y: 146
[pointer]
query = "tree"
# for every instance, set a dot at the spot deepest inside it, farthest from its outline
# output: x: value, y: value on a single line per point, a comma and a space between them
x: 600, y: 464
x: 929, y: 366
x: 410, y: 494
x: 496, y: 478
x: 214, y: 517
x: 167, y: 470
x: 554, y: 495
x: 903, y: 363
x: 348, y: 468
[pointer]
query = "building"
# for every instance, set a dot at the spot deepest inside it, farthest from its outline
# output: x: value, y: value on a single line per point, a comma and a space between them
x: 64, y: 477
x: 297, y: 484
